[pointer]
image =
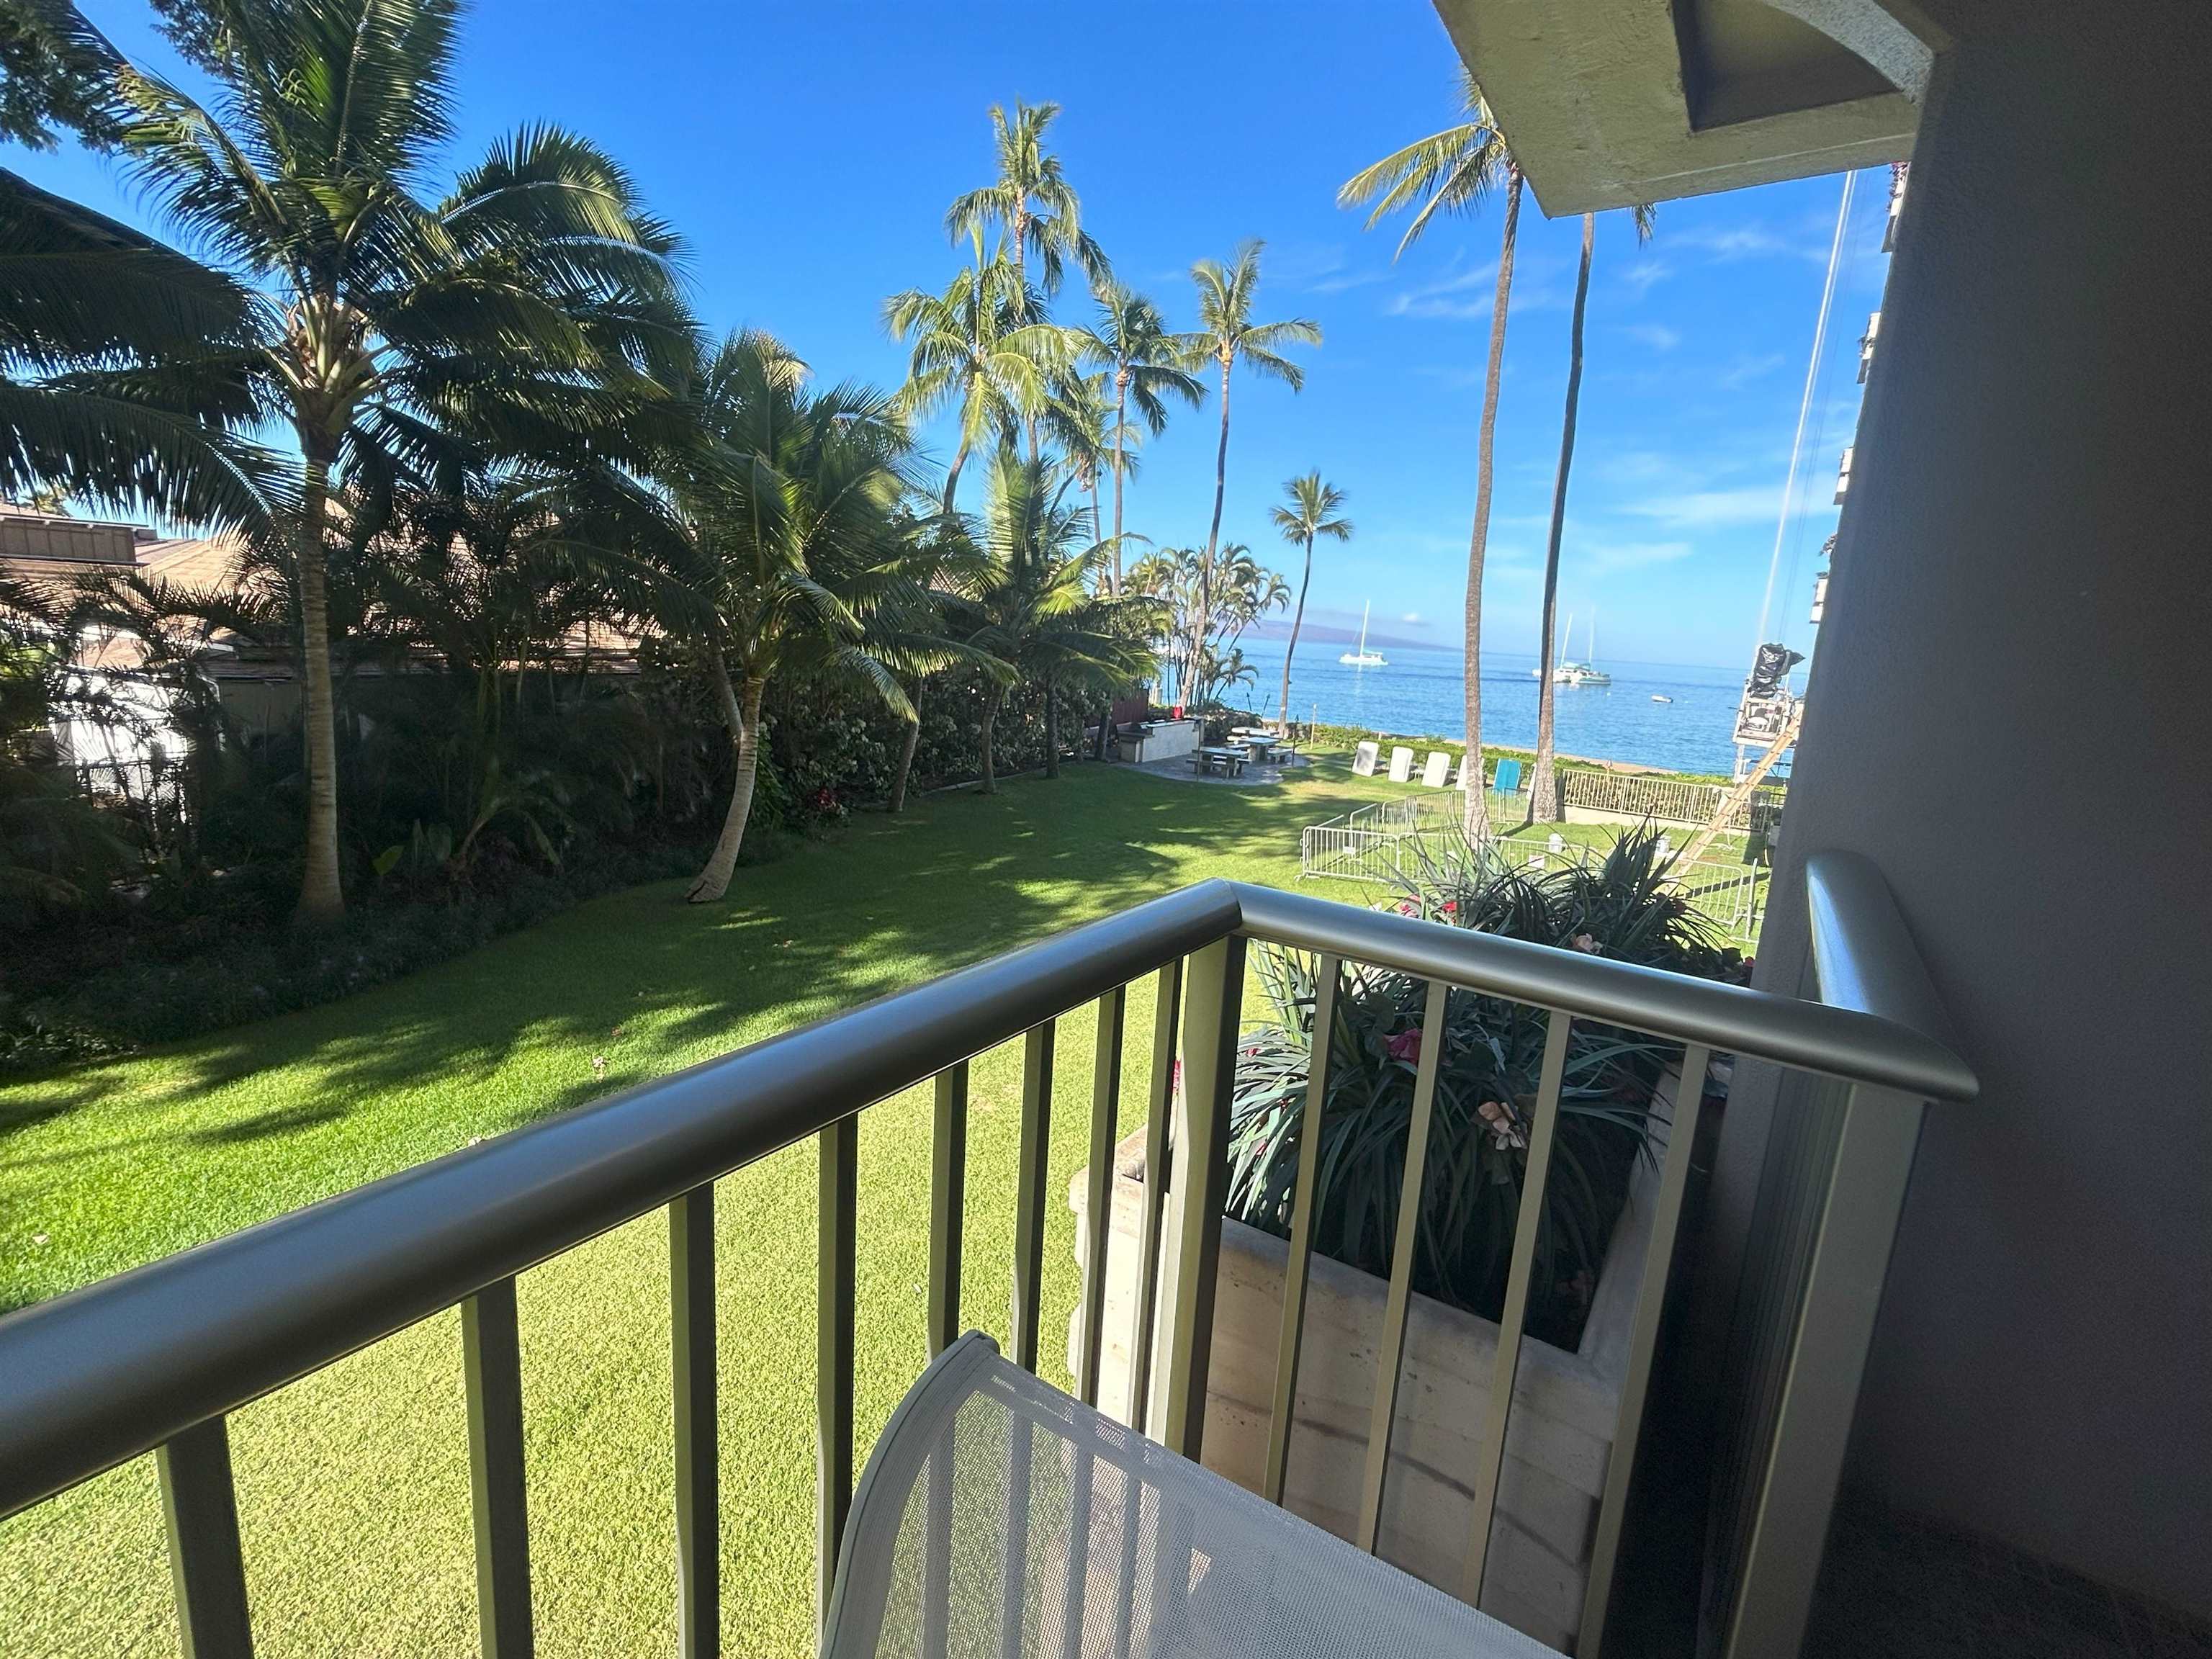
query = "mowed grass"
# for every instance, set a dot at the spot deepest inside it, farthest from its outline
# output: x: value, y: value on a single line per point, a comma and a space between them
x: 352, y: 1483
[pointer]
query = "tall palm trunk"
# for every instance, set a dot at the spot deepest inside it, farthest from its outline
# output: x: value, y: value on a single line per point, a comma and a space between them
x: 1544, y: 787
x: 1121, y: 436
x: 1212, y: 540
x: 1477, y: 818
x: 1298, y: 621
x: 906, y: 745
x: 990, y: 722
x: 902, y: 777
x: 322, y: 896
x: 742, y: 716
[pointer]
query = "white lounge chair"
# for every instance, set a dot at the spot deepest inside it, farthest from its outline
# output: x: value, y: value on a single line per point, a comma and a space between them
x: 1401, y: 764
x: 1437, y: 770
x: 1459, y: 778
x: 998, y: 1516
x: 1364, y: 759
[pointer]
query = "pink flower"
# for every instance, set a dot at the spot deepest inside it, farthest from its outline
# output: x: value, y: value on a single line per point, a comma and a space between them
x: 1406, y: 1045
x: 1405, y: 906
x: 1585, y: 943
x: 1451, y: 907
x: 1505, y: 1129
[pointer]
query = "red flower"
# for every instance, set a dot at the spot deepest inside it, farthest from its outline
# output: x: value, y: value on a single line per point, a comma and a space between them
x: 1451, y: 907
x: 1406, y: 1045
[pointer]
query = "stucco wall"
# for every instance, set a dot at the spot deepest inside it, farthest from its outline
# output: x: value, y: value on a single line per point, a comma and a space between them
x: 2011, y: 711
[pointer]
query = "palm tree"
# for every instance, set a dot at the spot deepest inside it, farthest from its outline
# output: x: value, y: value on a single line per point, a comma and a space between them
x: 1036, y: 608
x: 1128, y: 341
x: 1544, y: 782
x: 1226, y: 335
x: 973, y: 351
x: 122, y: 368
x: 776, y: 547
x: 1031, y: 206
x: 1213, y: 603
x: 532, y: 308
x: 1310, y: 510
x: 1455, y: 171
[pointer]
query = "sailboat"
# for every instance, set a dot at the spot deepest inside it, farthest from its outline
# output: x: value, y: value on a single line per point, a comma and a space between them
x: 1570, y: 673
x: 1363, y: 657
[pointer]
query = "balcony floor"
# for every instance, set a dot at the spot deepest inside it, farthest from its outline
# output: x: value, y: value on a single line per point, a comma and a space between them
x: 1906, y: 1587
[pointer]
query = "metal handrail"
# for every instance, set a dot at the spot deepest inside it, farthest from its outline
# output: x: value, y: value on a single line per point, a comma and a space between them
x: 1857, y: 1045
x: 154, y: 1359
x: 110, y: 1371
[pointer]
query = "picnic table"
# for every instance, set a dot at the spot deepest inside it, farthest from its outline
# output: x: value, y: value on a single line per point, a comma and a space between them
x: 1226, y: 759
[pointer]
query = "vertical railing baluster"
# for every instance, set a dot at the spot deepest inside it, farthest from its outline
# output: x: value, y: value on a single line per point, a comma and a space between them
x: 1211, y: 1011
x: 1491, y: 1456
x: 1030, y: 1192
x: 1857, y: 1233
x: 835, y: 1266
x: 1014, y: 1575
x: 698, y: 1504
x: 1098, y: 1212
x: 1391, y: 1349
x: 1158, y: 1162
x: 1326, y: 971
x: 948, y: 1188
x: 199, y: 1510
x: 1642, y: 1345
x: 491, y: 1366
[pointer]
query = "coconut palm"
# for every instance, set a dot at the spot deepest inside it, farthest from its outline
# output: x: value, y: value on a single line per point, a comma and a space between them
x: 1227, y: 336
x: 1127, y: 341
x: 973, y: 352
x: 122, y: 376
x: 1544, y: 782
x: 1454, y: 171
x: 1032, y: 207
x: 1211, y: 602
x: 1037, y: 607
x: 1310, y: 510
x: 774, y: 546
x: 533, y: 307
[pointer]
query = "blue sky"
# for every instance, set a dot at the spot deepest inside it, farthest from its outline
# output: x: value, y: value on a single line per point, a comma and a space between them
x: 807, y: 153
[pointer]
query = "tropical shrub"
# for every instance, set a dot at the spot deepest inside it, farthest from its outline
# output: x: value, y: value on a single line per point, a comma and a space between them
x: 1486, y: 1086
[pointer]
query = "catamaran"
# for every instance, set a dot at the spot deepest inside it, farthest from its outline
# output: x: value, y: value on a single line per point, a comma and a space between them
x: 1570, y: 673
x: 1363, y: 657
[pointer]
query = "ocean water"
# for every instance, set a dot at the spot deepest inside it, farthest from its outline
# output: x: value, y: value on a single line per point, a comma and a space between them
x: 1419, y: 693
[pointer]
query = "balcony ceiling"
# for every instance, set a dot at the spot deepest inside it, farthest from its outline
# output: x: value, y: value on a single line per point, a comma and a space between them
x: 1611, y: 102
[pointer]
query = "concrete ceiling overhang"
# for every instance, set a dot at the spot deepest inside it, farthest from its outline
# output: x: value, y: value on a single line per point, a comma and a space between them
x: 1608, y: 103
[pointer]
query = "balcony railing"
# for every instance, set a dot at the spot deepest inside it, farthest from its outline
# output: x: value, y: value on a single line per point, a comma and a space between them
x: 154, y: 1360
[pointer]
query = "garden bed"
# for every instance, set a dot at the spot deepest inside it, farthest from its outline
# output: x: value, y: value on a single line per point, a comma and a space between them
x: 1558, y: 1443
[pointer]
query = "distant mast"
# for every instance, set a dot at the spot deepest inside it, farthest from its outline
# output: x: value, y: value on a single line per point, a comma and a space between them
x: 1363, y: 657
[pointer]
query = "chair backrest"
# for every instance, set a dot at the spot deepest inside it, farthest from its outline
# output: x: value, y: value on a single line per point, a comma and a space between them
x: 1508, y: 777
x: 1401, y: 764
x: 1437, y: 772
x: 1459, y: 777
x: 1364, y: 759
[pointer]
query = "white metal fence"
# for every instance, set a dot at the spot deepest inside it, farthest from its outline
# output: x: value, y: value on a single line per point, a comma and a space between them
x: 1388, y: 842
x: 1674, y: 801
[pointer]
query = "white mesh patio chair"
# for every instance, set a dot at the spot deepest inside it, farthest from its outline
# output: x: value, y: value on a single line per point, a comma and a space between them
x: 999, y: 1517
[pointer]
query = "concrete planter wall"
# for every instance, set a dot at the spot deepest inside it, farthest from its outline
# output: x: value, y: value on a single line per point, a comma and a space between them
x: 1557, y: 1445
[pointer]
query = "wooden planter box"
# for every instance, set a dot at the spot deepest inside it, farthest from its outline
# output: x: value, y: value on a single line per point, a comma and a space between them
x: 1558, y: 1440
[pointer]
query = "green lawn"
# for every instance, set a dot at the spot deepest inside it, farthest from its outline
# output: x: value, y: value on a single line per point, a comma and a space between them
x: 354, y: 1483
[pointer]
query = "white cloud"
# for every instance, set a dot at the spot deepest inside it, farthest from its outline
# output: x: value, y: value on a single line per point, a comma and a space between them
x: 1605, y: 558
x: 1411, y: 619
x: 1749, y: 367
x: 1709, y: 509
x: 1643, y: 273
x: 1724, y: 244
x: 1658, y: 335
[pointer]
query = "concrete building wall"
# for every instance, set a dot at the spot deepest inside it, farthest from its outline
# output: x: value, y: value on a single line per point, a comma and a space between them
x: 2011, y: 713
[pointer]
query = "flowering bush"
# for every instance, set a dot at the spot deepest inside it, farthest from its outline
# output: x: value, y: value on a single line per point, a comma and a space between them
x: 1487, y: 1075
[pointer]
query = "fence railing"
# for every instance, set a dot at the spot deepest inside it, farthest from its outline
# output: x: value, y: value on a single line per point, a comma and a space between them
x: 154, y: 1360
x: 1674, y: 801
x: 1387, y: 843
